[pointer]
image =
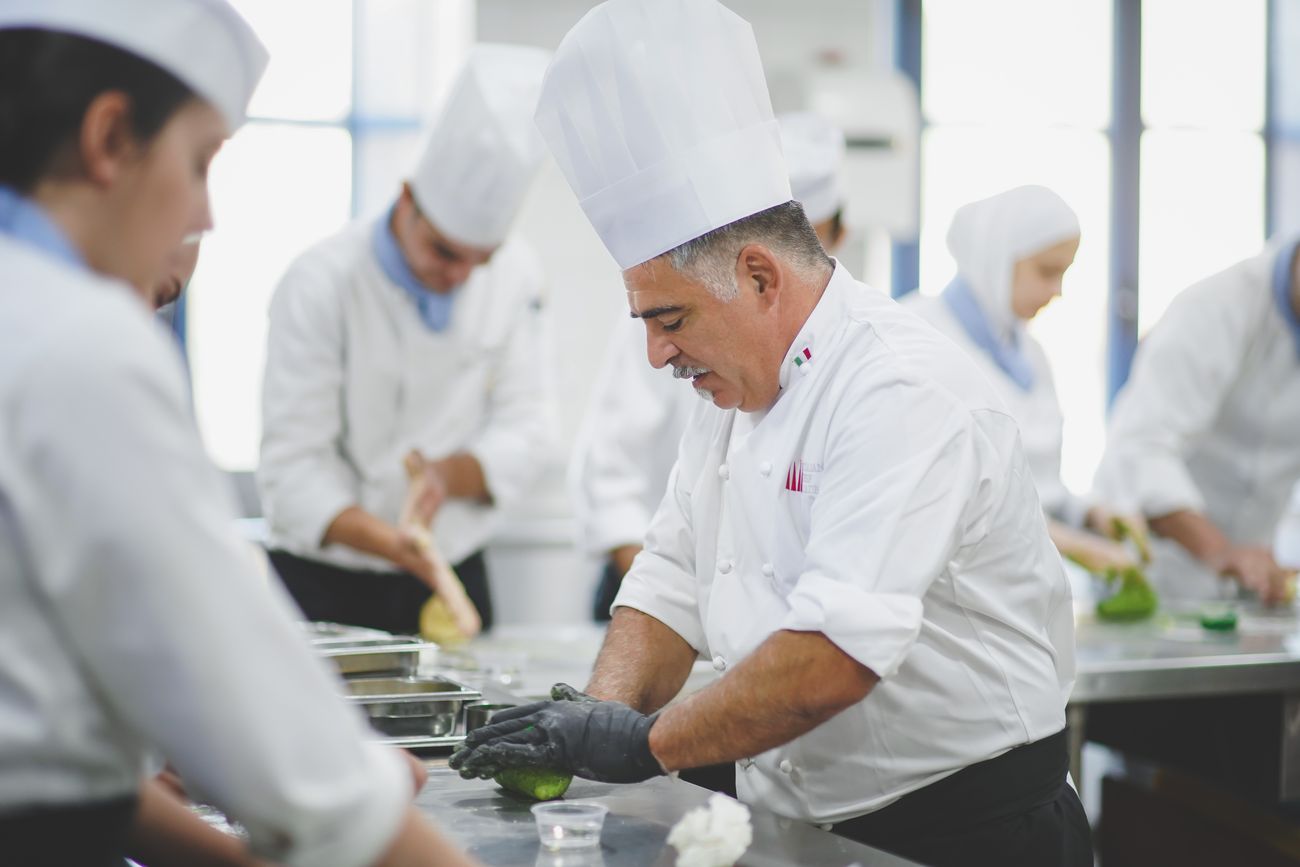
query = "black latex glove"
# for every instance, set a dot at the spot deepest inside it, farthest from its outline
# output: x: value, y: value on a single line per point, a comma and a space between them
x: 599, y: 740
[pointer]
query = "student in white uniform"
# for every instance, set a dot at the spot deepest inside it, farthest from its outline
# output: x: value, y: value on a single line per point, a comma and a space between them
x: 422, y: 330
x: 131, y: 620
x: 1012, y: 251
x: 1203, y: 437
x: 628, y: 441
x: 851, y: 531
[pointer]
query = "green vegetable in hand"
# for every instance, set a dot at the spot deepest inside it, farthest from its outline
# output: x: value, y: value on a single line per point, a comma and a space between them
x: 535, y: 783
x: 1135, y: 600
x: 1121, y: 530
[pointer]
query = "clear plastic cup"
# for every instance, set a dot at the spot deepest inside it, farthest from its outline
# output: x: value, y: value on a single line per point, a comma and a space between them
x: 569, y: 824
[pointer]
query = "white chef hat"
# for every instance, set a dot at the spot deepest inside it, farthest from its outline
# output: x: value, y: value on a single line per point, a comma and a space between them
x: 484, y: 149
x: 814, y: 152
x: 204, y: 43
x: 658, y: 115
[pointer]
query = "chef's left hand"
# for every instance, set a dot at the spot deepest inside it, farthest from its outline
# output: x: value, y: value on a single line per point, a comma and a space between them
x: 599, y: 740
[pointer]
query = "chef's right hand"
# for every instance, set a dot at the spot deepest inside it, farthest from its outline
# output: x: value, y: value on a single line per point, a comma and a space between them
x: 605, y: 741
x: 1254, y: 568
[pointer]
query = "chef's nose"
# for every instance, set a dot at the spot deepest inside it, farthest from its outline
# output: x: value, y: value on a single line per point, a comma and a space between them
x: 659, y: 349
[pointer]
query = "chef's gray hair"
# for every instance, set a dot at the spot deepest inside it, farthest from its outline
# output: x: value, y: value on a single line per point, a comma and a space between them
x: 783, y: 229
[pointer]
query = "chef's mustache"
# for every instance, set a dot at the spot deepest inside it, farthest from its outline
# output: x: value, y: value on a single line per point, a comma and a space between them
x: 688, y: 372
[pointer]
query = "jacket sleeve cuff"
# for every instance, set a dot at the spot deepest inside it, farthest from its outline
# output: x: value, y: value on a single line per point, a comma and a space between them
x: 304, y: 520
x: 1164, y: 489
x: 509, y: 468
x: 613, y: 525
x: 876, y: 629
x: 657, y: 588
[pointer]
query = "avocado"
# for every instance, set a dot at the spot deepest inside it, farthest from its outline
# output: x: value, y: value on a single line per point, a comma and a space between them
x: 536, y: 783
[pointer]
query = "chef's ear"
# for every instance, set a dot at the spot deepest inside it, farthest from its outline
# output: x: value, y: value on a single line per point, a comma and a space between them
x: 757, y: 268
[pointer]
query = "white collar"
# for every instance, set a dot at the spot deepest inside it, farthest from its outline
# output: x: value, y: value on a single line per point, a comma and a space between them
x: 801, y: 356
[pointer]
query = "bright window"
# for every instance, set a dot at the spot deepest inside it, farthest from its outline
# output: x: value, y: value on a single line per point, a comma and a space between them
x: 337, y: 122
x: 1202, y: 155
x: 1018, y: 92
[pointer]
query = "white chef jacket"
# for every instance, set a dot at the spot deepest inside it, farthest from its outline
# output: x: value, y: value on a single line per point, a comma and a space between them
x: 1037, y: 411
x: 884, y: 501
x: 131, y: 618
x: 1210, y: 418
x: 355, y: 380
x: 628, y: 442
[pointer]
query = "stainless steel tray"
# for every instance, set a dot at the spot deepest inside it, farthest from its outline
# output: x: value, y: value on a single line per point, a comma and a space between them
x: 394, y: 655
x: 425, y: 743
x: 412, y: 706
x: 321, y: 633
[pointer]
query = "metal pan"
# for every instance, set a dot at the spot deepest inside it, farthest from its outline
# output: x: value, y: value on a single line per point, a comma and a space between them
x: 398, y: 655
x: 480, y: 713
x: 321, y: 633
x: 412, y: 706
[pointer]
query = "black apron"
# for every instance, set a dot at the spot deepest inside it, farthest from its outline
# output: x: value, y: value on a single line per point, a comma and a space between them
x: 390, y: 601
x: 85, y: 835
x: 1016, y: 810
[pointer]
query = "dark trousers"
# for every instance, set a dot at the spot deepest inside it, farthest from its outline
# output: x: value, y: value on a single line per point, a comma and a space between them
x: 1016, y: 810
x: 606, y: 590
x: 85, y: 835
x: 380, y: 600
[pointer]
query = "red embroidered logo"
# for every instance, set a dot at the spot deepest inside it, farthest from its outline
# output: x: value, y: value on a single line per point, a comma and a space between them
x: 802, y: 477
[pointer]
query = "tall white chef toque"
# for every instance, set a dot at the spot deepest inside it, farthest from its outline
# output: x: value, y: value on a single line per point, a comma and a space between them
x: 484, y: 150
x: 658, y: 114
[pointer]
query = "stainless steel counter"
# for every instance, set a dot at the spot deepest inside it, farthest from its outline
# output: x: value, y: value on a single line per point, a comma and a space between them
x: 1168, y: 657
x: 498, y: 829
x: 1172, y: 656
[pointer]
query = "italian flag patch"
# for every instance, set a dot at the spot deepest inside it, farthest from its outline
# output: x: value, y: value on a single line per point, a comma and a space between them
x: 805, y: 355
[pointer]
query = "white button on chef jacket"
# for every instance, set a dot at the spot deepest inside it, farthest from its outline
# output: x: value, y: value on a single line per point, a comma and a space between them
x: 1209, y: 418
x: 719, y: 664
x: 925, y: 511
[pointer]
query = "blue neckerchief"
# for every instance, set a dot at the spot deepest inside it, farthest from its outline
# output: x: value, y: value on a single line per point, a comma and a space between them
x: 434, y: 307
x: 1011, y: 358
x: 24, y: 220
x: 1282, y: 291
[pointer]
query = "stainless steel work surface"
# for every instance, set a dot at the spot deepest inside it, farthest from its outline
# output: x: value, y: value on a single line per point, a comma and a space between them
x: 1172, y: 656
x: 499, y: 830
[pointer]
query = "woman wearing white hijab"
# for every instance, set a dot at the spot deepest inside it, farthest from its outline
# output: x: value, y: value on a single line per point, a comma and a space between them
x: 1012, y: 251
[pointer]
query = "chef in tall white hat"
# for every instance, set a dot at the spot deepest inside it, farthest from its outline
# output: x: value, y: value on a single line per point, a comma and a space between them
x: 636, y: 416
x: 850, y: 533
x: 132, y: 621
x: 421, y: 332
